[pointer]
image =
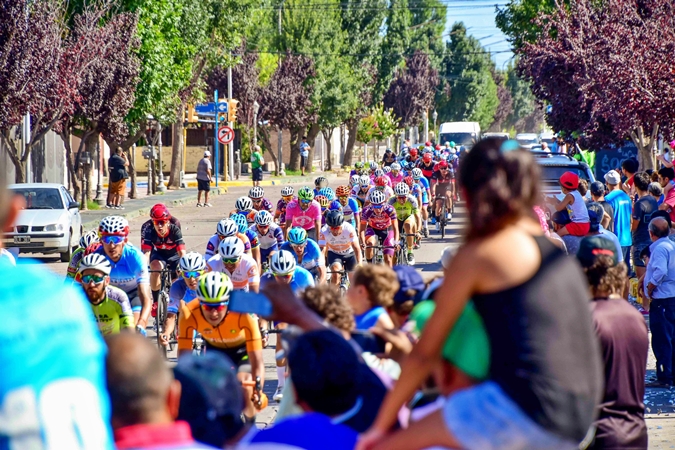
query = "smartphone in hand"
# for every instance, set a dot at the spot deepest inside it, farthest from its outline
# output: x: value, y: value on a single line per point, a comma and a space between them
x: 250, y: 303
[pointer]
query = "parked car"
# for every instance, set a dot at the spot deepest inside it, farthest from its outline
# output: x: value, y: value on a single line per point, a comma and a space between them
x: 50, y: 222
x: 527, y: 140
x: 547, y: 137
x: 502, y: 136
x: 464, y: 134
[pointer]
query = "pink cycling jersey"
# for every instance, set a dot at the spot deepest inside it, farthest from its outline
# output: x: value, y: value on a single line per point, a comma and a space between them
x: 395, y: 179
x: 305, y: 219
x: 381, y: 221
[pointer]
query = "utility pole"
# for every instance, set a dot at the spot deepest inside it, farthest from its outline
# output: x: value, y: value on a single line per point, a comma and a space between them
x: 215, y: 137
x: 280, y: 156
x: 230, y: 153
x: 160, y: 185
x: 426, y: 125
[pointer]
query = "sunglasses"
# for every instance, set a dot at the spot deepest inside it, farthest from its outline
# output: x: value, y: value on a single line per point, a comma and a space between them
x: 378, y: 206
x: 230, y: 260
x: 112, y: 240
x: 305, y: 202
x: 283, y: 277
x: 263, y: 227
x: 97, y: 279
x: 335, y: 228
x: 444, y: 169
x: 287, y: 198
x: 214, y: 307
x: 256, y: 200
x: 345, y: 198
x: 299, y: 245
x: 402, y: 197
x: 161, y: 223
x: 192, y: 274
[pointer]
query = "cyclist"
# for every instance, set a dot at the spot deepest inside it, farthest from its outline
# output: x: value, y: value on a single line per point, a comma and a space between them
x: 341, y: 245
x: 110, y: 305
x: 240, y: 267
x: 360, y: 192
x: 257, y: 196
x: 408, y: 216
x: 373, y: 167
x: 270, y: 235
x: 328, y: 193
x: 244, y: 206
x: 282, y: 204
x: 395, y: 176
x: 304, y: 212
x: 233, y: 334
x: 284, y: 269
x: 426, y: 165
x: 381, y: 185
x: 444, y: 178
x: 358, y: 167
x: 129, y: 270
x: 319, y: 183
x: 323, y: 203
x: 165, y: 246
x: 353, y: 181
x: 350, y: 207
x: 413, y: 156
x: 244, y: 229
x: 423, y: 182
x: 379, y: 222
x: 380, y: 173
x: 226, y: 228
x: 306, y: 252
x: 190, y: 267
x: 87, y: 239
x: 156, y: 211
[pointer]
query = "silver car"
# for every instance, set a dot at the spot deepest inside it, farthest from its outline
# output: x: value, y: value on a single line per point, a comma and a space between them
x: 50, y: 222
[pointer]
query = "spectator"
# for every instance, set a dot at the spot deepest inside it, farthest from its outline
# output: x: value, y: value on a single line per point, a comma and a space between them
x: 544, y: 147
x: 623, y: 337
x: 595, y: 212
x: 656, y: 191
x: 667, y: 180
x: 204, y: 179
x: 665, y: 159
x: 660, y: 301
x: 372, y: 290
x: 560, y: 219
x: 145, y: 397
x: 628, y: 169
x: 117, y: 183
x: 257, y: 162
x: 622, y: 205
x: 389, y: 158
x: 598, y: 195
x: 643, y: 209
x: 304, y: 155
x: 583, y: 188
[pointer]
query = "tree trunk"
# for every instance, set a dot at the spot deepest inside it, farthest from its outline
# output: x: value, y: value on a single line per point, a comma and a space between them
x: 645, y: 144
x: 313, y: 132
x: 13, y: 153
x: 91, y: 142
x: 351, y: 140
x: 133, y: 192
x: 327, y: 135
x: 264, y: 133
x: 177, y: 151
x: 75, y: 188
x: 294, y: 163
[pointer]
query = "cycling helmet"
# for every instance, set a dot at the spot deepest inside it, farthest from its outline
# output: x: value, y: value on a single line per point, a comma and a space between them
x: 380, y: 181
x: 353, y: 180
x: 114, y: 226
x: 401, y: 189
x: 364, y: 180
x: 334, y: 218
x: 447, y: 143
x: 328, y: 193
x: 231, y: 247
x: 427, y: 144
x: 443, y: 164
x: 256, y: 192
x: 417, y: 173
x: 438, y: 147
x: 282, y: 263
x: 95, y: 261
x: 395, y: 167
x: 227, y: 227
x: 377, y: 197
x: 335, y: 205
x: 427, y: 158
x: 88, y: 238
x: 452, y: 143
x: 263, y: 218
x: 409, y: 181
x: 413, y: 152
x: 214, y: 288
x: 241, y: 222
x: 297, y: 236
x: 379, y: 173
x: 342, y: 191
x: 323, y: 201
x: 160, y: 212
x: 306, y: 193
x: 358, y: 165
x: 319, y: 182
x: 373, y: 166
x: 386, y: 170
x: 93, y: 248
x: 243, y: 204
x: 287, y: 191
x: 191, y: 261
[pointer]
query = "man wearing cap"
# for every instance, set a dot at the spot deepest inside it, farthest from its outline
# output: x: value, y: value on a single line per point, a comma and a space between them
x: 623, y: 336
x: 204, y: 179
x: 659, y: 286
x: 595, y: 212
x: 597, y: 189
x: 622, y: 205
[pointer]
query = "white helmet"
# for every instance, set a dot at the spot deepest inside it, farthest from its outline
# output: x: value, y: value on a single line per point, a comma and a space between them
x: 191, y: 261
x: 373, y: 166
x: 379, y: 172
x: 453, y: 151
x: 417, y: 173
x: 282, y: 263
x: 256, y: 192
x: 263, y: 218
x: 115, y: 225
x: 354, y: 180
x: 243, y: 204
x: 377, y: 197
x: 364, y: 180
x: 395, y: 166
x: 401, y: 189
x: 231, y: 247
x: 95, y: 261
x: 287, y: 191
x: 88, y: 238
x: 386, y: 169
x: 227, y: 227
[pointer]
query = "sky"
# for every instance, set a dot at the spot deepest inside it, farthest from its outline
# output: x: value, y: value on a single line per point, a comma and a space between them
x: 479, y: 18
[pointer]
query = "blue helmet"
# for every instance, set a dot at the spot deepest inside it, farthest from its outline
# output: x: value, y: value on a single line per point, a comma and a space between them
x: 241, y: 221
x: 297, y: 236
x: 335, y: 205
x: 328, y: 193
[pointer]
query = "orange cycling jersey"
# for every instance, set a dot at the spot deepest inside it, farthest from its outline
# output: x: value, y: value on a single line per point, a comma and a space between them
x: 235, y: 331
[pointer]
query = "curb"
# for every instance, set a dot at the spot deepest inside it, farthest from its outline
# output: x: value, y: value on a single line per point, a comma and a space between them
x: 269, y: 182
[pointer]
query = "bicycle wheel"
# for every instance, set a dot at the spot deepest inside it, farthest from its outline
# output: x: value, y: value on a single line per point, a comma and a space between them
x: 162, y: 304
x: 443, y: 219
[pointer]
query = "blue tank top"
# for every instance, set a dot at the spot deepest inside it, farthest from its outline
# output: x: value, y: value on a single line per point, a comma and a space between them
x: 369, y: 318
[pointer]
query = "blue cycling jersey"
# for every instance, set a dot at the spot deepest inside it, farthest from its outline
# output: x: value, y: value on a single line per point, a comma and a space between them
x: 350, y: 210
x: 311, y: 257
x: 130, y: 271
x: 52, y: 364
x: 301, y: 280
x: 425, y: 189
x: 179, y: 291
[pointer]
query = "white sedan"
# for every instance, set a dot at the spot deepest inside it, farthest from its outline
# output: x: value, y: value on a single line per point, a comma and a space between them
x: 50, y: 222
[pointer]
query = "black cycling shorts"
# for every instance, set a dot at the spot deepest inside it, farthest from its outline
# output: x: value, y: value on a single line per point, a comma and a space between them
x: 170, y: 261
x: 135, y: 300
x: 237, y: 355
x: 348, y: 261
x: 441, y: 189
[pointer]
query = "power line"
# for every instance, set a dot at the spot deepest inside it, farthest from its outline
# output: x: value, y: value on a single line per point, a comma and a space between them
x: 282, y: 52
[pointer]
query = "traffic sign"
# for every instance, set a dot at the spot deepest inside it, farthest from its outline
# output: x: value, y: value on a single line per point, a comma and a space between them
x: 225, y: 135
x: 209, y: 109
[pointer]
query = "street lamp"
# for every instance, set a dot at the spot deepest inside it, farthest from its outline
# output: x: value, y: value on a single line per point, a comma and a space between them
x: 435, y: 116
x: 256, y: 108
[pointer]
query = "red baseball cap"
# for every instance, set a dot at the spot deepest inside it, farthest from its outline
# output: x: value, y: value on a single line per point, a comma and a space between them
x: 570, y: 180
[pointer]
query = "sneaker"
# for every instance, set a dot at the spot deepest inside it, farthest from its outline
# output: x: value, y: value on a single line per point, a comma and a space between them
x: 109, y: 206
x: 433, y: 221
x: 449, y: 216
x: 208, y: 205
x: 119, y: 207
x: 438, y: 226
x: 411, y: 259
x: 199, y: 205
x: 425, y: 232
x: 278, y: 395
x: 153, y: 311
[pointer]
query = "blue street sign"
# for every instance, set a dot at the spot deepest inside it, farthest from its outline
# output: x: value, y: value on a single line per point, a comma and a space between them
x: 209, y: 109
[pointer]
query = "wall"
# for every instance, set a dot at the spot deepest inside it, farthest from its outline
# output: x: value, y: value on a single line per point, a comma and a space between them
x: 48, y: 161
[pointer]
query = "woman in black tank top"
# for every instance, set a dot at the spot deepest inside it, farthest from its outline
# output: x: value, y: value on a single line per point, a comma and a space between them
x: 545, y: 378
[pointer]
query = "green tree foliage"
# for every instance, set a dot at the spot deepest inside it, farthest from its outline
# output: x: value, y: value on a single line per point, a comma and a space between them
x: 426, y: 30
x: 395, y: 44
x: 379, y: 125
x: 526, y: 114
x: 470, y: 92
x: 516, y: 19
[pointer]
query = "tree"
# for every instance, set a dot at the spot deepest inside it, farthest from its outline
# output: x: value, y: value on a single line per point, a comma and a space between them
x: 428, y: 19
x: 505, y: 108
x: 526, y: 114
x: 517, y: 20
x: 618, y: 59
x: 379, y: 125
x: 394, y: 45
x: 412, y: 90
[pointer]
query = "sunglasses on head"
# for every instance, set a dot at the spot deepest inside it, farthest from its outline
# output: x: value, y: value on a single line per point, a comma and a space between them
x: 112, y: 240
x: 193, y: 274
x: 230, y: 260
x: 97, y: 279
x: 214, y: 306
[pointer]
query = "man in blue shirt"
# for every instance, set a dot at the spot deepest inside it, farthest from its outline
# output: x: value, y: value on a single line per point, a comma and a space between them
x: 304, y: 154
x: 660, y: 288
x: 623, y: 207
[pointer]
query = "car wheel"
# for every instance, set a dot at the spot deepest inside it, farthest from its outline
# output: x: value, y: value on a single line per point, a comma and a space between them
x: 65, y: 256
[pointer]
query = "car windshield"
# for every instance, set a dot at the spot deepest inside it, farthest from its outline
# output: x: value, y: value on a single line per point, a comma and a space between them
x: 548, y: 140
x: 40, y: 198
x: 524, y: 140
x: 459, y: 138
x: 551, y: 174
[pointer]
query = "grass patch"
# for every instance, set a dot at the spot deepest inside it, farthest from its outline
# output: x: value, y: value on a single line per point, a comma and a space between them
x: 92, y: 205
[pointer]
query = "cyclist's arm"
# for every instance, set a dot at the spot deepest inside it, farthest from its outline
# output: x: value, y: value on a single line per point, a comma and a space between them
x: 126, y: 315
x: 74, y: 264
x: 394, y: 224
x: 186, y: 326
x: 357, y: 251
x: 255, y: 253
x: 253, y: 345
x: 253, y: 278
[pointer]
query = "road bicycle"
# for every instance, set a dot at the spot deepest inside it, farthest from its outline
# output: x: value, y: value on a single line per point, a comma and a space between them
x: 344, y: 280
x: 161, y: 312
x: 401, y: 255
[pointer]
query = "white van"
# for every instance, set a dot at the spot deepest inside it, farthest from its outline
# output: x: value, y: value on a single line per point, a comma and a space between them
x: 461, y: 133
